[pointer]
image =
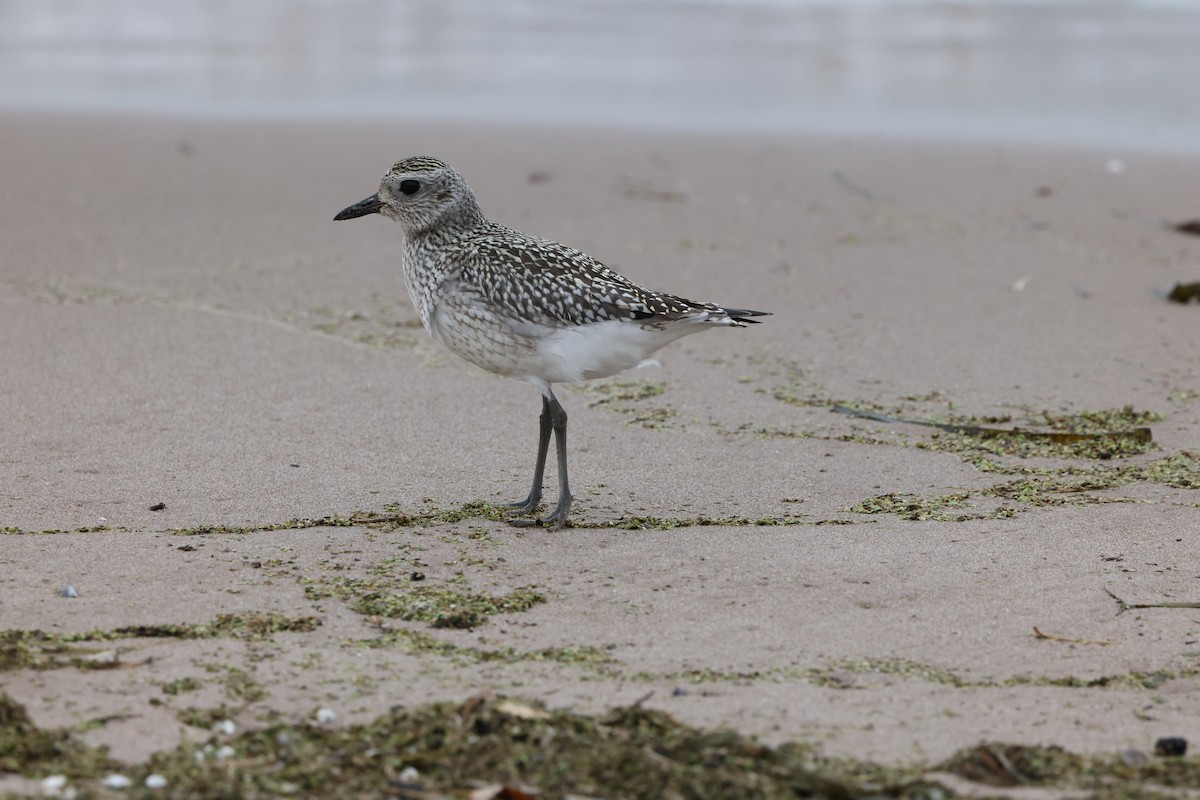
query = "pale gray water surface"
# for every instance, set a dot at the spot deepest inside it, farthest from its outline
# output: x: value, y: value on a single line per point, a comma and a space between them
x: 1108, y: 73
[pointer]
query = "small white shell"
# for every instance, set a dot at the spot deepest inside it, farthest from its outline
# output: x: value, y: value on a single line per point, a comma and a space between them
x: 67, y: 591
x: 116, y: 781
x: 53, y: 783
x: 155, y: 781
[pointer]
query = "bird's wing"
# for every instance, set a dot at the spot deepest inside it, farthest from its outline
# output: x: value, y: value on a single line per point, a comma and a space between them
x: 545, y: 282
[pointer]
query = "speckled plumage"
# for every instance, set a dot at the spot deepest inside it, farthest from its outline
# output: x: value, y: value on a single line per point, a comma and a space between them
x: 523, y: 306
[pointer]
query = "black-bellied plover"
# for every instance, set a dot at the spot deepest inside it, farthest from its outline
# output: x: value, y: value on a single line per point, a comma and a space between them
x: 522, y: 306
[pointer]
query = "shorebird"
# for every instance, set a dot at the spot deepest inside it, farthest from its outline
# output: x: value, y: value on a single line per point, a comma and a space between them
x: 524, y: 307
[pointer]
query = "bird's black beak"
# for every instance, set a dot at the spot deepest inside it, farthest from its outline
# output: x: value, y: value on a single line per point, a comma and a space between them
x: 360, y: 209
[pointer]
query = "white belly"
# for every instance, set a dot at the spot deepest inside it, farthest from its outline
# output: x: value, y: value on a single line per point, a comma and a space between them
x: 545, y: 354
x: 601, y: 349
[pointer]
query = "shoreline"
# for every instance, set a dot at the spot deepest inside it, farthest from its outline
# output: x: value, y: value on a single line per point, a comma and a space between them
x: 926, y: 135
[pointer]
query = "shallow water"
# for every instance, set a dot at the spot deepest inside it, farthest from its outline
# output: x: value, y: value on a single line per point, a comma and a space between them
x: 1106, y: 73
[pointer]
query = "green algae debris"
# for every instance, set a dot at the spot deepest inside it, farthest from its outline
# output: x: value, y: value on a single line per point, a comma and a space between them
x: 445, y: 608
x: 27, y: 750
x: 34, y: 649
x: 638, y: 523
x: 413, y: 599
x: 619, y: 391
x: 1105, y: 434
x: 1110, y: 776
x: 420, y: 642
x: 390, y: 518
x: 631, y: 752
x: 239, y: 685
x: 852, y: 673
x: 206, y: 717
x: 393, y: 517
x: 1040, y: 487
x: 298, y: 523
x: 1011, y: 765
x: 232, y: 626
x: 626, y: 397
x: 51, y: 531
x: 181, y: 685
x: 909, y: 506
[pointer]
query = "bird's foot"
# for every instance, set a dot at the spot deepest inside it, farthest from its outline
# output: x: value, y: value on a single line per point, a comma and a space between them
x: 553, y: 521
x: 522, y: 507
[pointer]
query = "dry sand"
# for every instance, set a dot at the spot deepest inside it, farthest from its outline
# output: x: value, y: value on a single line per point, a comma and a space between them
x: 181, y: 323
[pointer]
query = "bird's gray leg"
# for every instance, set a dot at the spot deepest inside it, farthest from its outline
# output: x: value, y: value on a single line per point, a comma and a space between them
x: 558, y: 423
x: 558, y: 420
x: 530, y: 503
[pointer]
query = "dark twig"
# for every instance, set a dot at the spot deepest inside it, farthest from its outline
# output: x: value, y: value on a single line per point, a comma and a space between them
x: 1123, y: 606
x: 1040, y: 634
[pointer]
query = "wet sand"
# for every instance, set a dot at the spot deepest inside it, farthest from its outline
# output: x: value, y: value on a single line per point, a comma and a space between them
x: 183, y: 324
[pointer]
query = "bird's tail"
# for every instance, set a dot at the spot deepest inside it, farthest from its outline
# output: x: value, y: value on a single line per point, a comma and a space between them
x: 742, y: 316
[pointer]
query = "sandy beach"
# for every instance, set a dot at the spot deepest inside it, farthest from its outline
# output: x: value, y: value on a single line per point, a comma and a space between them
x: 184, y: 329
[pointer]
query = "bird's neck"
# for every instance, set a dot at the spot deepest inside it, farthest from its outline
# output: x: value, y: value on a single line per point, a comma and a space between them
x: 452, y: 222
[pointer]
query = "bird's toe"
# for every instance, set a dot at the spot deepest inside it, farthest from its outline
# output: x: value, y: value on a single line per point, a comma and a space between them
x: 523, y: 507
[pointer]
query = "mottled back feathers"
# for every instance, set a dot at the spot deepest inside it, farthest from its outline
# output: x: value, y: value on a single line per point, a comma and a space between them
x: 543, y: 281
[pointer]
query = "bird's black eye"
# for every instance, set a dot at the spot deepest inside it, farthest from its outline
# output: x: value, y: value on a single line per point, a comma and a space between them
x: 410, y: 186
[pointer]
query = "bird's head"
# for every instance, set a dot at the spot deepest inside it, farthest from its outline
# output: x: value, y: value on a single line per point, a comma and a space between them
x: 421, y: 193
